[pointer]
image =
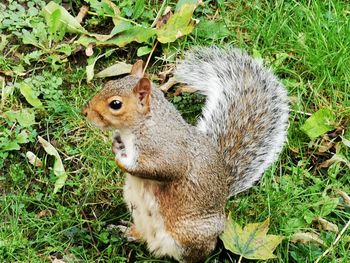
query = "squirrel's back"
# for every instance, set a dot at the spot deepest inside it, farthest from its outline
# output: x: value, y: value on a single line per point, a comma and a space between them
x: 246, y: 110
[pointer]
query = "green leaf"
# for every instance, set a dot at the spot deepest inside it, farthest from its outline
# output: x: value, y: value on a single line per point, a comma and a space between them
x: 22, y: 137
x: 252, y: 242
x: 25, y: 117
x: 72, y: 25
x: 178, y: 25
x: 327, y: 205
x: 210, y: 29
x: 137, y: 33
x: 120, y: 27
x: 139, y: 8
x: 29, y: 94
x: 58, y: 167
x: 141, y: 51
x: 181, y: 3
x: 319, y: 123
x: 11, y: 146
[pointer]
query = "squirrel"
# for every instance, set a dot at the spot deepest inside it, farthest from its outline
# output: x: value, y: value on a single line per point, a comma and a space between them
x: 179, y: 176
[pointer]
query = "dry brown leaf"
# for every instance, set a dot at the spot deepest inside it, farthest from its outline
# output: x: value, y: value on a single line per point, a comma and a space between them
x: 44, y: 213
x: 335, y: 159
x: 56, y: 260
x: 82, y: 13
x: 323, y: 224
x: 89, y: 51
x: 325, y: 144
x: 33, y: 159
x: 166, y: 86
x: 306, y: 237
x: 182, y: 89
x: 117, y: 69
x: 164, y: 18
x: 345, y: 197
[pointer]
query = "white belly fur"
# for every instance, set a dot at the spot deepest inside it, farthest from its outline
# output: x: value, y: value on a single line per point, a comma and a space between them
x: 147, y: 219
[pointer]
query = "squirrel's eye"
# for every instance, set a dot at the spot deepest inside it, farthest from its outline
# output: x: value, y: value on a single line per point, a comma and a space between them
x: 115, y: 104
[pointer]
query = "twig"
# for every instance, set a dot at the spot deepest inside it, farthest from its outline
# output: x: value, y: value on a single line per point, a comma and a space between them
x: 149, y: 56
x: 301, y: 112
x: 334, y: 242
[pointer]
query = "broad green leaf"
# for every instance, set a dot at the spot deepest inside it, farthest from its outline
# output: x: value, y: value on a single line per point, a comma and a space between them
x: 11, y: 146
x: 72, y: 25
x: 141, y: 51
x: 29, y: 94
x: 121, y: 26
x: 29, y: 39
x: 22, y: 137
x: 181, y: 3
x: 58, y: 167
x: 178, y: 25
x: 135, y: 34
x: 319, y: 123
x: 25, y: 117
x: 117, y: 69
x: 139, y: 8
x: 327, y: 205
x: 210, y: 29
x: 252, y: 242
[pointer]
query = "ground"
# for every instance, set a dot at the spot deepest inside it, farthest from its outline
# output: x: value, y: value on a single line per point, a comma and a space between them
x: 307, y: 45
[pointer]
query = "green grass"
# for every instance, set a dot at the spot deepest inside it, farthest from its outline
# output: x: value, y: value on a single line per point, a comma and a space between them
x: 306, y: 43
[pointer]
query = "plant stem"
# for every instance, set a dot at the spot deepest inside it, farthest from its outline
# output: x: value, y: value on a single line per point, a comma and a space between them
x: 149, y: 56
x: 334, y: 242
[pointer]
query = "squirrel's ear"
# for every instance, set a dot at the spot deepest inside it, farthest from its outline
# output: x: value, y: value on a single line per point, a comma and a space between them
x: 137, y: 69
x: 143, y: 92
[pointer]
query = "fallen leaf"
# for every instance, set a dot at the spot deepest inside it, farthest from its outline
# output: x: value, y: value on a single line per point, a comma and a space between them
x: 183, y: 89
x: 27, y: 91
x: 319, y: 123
x: 323, y: 224
x: 252, y: 242
x: 306, y: 237
x: 166, y: 86
x: 336, y: 158
x: 58, y: 167
x: 33, y: 159
x: 89, y: 51
x: 117, y: 69
x: 345, y: 197
x: 44, y: 213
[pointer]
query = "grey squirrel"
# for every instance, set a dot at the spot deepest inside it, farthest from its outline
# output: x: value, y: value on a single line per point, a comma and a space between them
x: 179, y: 176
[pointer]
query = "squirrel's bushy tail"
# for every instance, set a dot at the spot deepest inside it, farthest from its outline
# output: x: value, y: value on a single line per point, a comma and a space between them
x: 246, y: 110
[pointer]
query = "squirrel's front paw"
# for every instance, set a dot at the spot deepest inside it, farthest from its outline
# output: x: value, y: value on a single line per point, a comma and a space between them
x: 130, y: 233
x: 118, y: 146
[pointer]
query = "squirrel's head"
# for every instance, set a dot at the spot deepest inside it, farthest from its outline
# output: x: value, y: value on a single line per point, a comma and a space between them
x: 121, y: 103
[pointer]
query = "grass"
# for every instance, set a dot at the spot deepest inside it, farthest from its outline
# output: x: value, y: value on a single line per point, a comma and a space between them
x: 306, y: 43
